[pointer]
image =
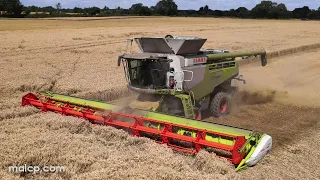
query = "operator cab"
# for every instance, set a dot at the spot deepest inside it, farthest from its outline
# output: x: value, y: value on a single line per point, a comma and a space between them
x: 159, y: 65
x: 146, y: 70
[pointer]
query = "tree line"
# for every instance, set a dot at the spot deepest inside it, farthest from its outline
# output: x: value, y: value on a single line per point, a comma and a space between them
x: 263, y: 10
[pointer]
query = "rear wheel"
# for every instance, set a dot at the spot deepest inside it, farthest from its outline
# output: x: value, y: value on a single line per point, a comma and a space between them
x: 220, y: 104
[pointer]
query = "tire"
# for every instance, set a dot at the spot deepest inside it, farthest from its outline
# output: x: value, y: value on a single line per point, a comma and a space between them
x: 220, y: 105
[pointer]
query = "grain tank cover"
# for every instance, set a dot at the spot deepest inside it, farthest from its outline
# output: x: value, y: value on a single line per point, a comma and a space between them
x: 153, y: 45
x: 174, y: 45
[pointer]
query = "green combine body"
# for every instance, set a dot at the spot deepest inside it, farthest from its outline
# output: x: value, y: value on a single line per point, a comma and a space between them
x: 186, y: 80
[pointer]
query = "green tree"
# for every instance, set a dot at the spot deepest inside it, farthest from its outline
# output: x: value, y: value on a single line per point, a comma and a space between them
x: 49, y: 9
x: 263, y: 9
x: 58, y: 8
x: 279, y: 11
x: 153, y: 10
x: 282, y: 7
x: 105, y: 8
x: 105, y: 11
x: 77, y: 10
x: 166, y: 8
x: 242, y: 12
x: 204, y: 10
x: 92, y: 10
x: 118, y: 11
x: 301, y: 12
x: 34, y: 8
x: 136, y: 8
x: 26, y: 10
x: 283, y: 11
x: 232, y: 13
x: 313, y: 15
x: 11, y: 6
x: 139, y: 9
x: 1, y: 5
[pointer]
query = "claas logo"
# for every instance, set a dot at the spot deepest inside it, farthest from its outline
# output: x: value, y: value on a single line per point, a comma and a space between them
x: 200, y: 60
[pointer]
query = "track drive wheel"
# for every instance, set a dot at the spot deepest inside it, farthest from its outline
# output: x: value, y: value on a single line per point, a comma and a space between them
x: 220, y: 104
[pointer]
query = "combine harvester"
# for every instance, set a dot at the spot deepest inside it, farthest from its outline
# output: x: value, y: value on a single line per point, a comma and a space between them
x: 186, y: 81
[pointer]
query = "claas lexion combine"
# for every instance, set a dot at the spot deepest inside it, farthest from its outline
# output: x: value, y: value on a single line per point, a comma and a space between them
x: 186, y: 82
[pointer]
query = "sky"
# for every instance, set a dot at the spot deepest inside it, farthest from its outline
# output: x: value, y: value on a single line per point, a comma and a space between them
x: 182, y: 4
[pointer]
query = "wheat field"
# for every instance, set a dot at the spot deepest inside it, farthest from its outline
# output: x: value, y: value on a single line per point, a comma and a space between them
x: 78, y: 56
